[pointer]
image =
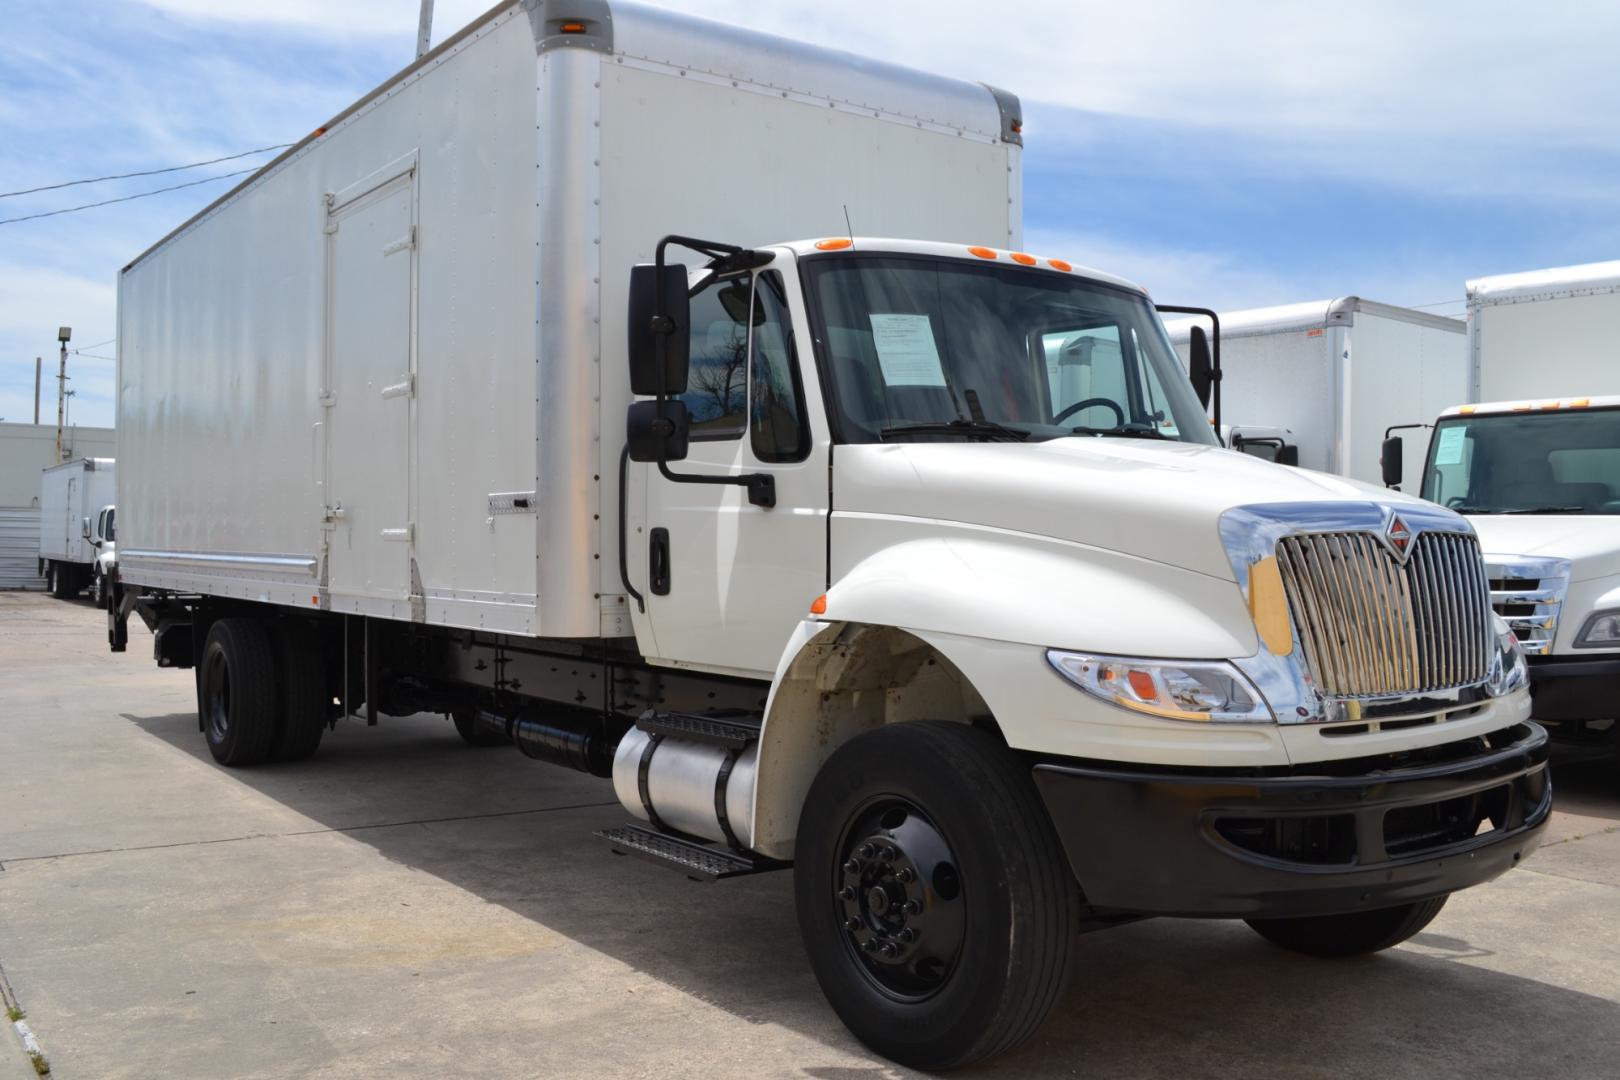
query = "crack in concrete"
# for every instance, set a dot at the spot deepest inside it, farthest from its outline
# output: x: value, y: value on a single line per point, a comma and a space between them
x: 1581, y: 836
x: 306, y: 832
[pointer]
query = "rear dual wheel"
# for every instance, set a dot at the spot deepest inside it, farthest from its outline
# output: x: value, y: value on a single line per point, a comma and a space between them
x: 261, y: 691
x: 933, y: 897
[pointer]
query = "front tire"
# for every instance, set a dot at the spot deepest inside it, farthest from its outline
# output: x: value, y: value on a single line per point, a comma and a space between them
x: 236, y: 684
x: 933, y: 897
x: 1353, y: 934
x: 98, y: 590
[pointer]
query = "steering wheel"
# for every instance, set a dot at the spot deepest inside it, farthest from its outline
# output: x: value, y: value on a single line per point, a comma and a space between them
x: 1119, y: 413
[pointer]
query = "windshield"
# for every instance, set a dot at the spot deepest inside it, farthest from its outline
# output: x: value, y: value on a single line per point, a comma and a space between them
x: 919, y: 348
x: 1563, y: 462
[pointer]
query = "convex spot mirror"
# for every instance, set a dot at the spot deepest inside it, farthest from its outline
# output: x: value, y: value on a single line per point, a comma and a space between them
x: 645, y: 328
x: 658, y: 430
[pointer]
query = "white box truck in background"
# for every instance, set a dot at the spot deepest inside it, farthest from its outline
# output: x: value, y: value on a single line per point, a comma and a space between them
x: 75, y: 507
x: 1535, y: 467
x: 817, y: 547
x: 1336, y: 374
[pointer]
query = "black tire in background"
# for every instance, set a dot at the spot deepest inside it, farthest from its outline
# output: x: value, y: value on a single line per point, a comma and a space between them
x: 980, y: 870
x: 98, y: 590
x: 1353, y: 934
x: 301, y: 717
x: 475, y: 734
x: 57, y: 580
x: 236, y: 691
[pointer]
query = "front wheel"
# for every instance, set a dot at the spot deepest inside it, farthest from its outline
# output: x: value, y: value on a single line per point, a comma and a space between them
x: 1351, y: 934
x: 933, y: 897
x: 98, y: 590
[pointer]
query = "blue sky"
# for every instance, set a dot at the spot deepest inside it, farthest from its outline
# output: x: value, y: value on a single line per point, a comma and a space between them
x: 1237, y: 154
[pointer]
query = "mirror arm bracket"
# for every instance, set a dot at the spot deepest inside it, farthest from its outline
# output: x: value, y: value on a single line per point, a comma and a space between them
x: 761, y: 486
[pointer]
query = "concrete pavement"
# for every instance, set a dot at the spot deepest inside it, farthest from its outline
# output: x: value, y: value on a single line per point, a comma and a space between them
x: 402, y: 905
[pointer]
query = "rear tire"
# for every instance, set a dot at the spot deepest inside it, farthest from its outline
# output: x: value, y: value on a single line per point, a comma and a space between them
x: 301, y: 721
x: 934, y: 900
x: 236, y: 683
x: 1353, y: 934
x: 57, y: 580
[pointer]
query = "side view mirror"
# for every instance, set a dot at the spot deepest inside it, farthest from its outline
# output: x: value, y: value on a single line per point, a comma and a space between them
x: 1287, y: 454
x: 1201, y: 369
x: 646, y: 327
x: 84, y: 528
x: 1389, y: 456
x: 658, y: 430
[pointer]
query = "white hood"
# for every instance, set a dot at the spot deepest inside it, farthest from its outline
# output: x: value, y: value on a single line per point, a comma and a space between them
x: 1591, y: 542
x: 1156, y: 500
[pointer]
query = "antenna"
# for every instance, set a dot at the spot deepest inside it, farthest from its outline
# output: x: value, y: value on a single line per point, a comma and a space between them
x: 848, y: 226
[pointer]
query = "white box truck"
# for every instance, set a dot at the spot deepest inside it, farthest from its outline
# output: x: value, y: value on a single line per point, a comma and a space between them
x: 1336, y: 375
x: 75, y: 509
x: 1535, y: 467
x: 510, y: 395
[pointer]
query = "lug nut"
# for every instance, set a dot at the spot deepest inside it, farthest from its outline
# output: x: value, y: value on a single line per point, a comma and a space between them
x: 864, y: 851
x: 847, y: 892
x: 890, y: 949
x: 887, y: 854
x: 912, y: 907
x: 906, y: 875
x: 907, y: 935
x: 868, y: 945
x: 853, y: 866
x: 852, y: 923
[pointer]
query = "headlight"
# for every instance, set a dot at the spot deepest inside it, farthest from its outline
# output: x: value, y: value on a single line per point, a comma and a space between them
x: 1175, y: 689
x: 1602, y: 631
x: 1508, y: 671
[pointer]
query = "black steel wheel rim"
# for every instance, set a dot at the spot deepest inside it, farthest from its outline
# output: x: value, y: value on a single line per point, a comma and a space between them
x: 898, y: 899
x: 218, y: 702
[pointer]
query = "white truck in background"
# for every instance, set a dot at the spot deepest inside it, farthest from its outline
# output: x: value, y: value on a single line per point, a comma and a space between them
x: 75, y: 523
x: 1335, y: 375
x: 913, y: 564
x: 1535, y: 467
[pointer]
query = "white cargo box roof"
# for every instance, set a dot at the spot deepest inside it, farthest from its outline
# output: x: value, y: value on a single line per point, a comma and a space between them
x: 1559, y: 281
x: 1309, y: 315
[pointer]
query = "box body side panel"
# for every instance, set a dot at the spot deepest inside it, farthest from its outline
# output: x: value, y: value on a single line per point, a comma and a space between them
x: 1547, y: 348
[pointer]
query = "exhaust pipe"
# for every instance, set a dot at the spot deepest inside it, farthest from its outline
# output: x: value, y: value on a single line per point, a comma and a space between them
x: 575, y: 739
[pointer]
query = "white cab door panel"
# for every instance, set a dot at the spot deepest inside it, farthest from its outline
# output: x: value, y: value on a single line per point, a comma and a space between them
x: 370, y: 381
x: 739, y: 576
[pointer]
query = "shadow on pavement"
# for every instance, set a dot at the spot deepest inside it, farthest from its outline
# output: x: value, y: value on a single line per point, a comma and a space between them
x: 1158, y: 998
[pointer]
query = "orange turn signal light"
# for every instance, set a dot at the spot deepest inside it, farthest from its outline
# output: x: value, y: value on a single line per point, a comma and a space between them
x: 836, y: 243
x: 982, y: 252
x: 1142, y: 683
x: 818, y: 606
x: 572, y: 28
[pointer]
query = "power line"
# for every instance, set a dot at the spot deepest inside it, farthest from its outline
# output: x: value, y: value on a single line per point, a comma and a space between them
x: 147, y: 172
x: 98, y: 344
x: 127, y: 198
x: 93, y: 356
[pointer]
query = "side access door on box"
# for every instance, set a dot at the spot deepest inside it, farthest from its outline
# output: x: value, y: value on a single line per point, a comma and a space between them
x: 370, y: 389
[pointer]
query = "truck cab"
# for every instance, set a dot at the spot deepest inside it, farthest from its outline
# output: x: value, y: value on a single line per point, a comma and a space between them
x: 1539, y: 481
x: 104, y: 538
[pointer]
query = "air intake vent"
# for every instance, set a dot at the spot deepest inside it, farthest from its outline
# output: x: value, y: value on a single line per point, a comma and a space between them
x: 1371, y: 625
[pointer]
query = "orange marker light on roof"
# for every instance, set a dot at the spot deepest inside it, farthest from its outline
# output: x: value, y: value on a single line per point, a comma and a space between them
x: 1021, y: 259
x: 1580, y: 403
x: 818, y: 606
x: 1522, y: 407
x: 1059, y: 264
x: 1467, y: 410
x: 1549, y: 404
x: 836, y: 243
x: 982, y: 252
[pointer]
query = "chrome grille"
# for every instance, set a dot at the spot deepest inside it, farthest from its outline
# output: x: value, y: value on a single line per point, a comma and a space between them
x: 1529, y: 593
x: 1371, y: 626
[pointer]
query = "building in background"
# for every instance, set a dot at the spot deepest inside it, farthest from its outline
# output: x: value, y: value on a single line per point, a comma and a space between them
x: 26, y: 450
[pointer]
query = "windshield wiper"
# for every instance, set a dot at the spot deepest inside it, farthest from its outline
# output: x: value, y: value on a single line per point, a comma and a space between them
x: 985, y: 430
x: 1125, y: 431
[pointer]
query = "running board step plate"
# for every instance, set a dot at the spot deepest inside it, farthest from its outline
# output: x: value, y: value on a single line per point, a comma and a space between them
x: 735, y: 732
x: 697, y: 861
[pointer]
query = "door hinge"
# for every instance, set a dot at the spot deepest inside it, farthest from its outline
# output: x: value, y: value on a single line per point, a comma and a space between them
x: 404, y: 243
x: 327, y: 399
x: 400, y: 536
x: 406, y: 388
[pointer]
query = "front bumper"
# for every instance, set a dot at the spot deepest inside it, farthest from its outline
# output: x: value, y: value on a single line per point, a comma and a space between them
x: 1574, y: 689
x: 1332, y: 838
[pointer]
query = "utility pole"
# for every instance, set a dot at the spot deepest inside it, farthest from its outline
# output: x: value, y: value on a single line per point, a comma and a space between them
x: 63, y: 336
x: 424, y: 28
x: 38, y: 365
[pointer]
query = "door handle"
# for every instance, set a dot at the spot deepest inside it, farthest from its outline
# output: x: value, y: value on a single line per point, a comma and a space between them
x: 658, y: 562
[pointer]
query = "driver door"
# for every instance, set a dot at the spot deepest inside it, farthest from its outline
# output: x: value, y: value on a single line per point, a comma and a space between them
x: 726, y: 581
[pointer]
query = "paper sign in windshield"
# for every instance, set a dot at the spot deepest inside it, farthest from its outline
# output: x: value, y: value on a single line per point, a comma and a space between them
x: 906, y: 351
x: 1449, y: 451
